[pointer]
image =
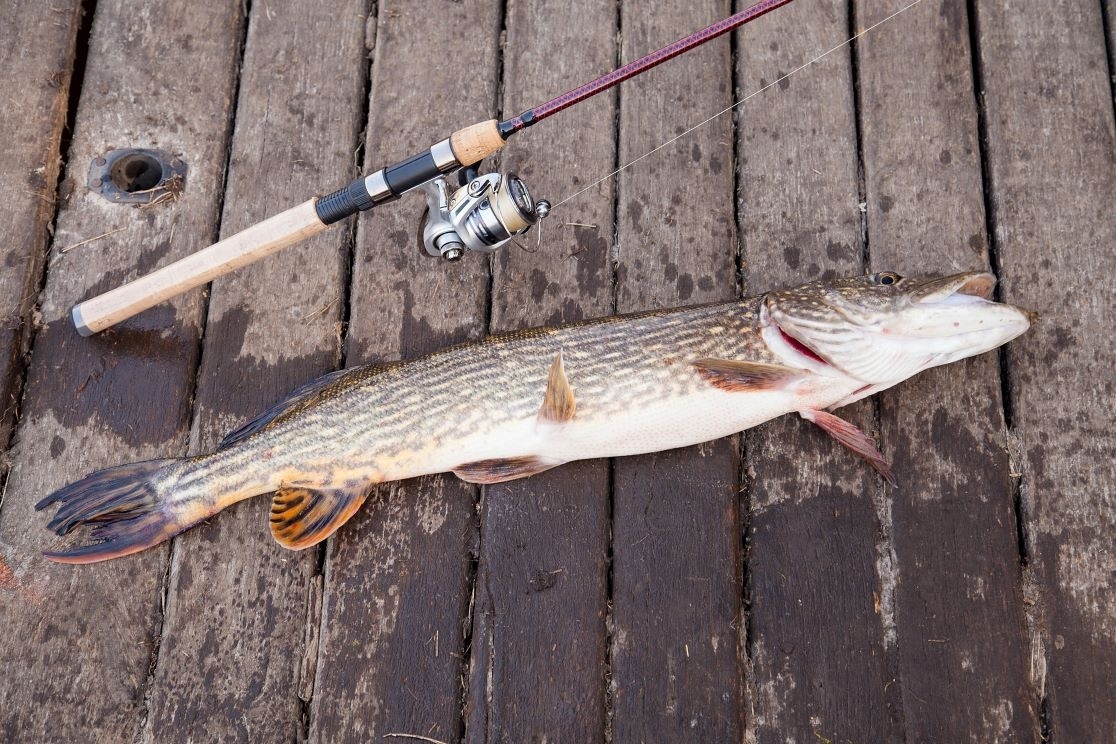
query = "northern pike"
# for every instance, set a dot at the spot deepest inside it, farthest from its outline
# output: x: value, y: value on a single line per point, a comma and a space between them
x: 520, y: 403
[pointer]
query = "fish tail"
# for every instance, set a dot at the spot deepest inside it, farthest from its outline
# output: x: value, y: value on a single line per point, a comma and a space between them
x: 119, y: 511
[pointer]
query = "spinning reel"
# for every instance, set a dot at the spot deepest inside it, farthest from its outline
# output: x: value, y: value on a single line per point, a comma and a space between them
x: 483, y: 215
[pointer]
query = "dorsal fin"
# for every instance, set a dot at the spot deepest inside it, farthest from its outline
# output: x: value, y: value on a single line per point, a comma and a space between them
x: 291, y: 401
x: 736, y: 376
x: 301, y: 517
x: 558, y: 404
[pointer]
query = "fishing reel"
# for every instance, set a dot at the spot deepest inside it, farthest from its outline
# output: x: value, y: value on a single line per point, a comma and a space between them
x: 482, y: 216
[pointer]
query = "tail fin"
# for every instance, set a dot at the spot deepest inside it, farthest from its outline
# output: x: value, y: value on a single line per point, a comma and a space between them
x: 116, y: 512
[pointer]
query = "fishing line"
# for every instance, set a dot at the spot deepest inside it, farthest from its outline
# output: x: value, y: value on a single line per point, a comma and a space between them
x: 677, y: 137
x: 486, y: 212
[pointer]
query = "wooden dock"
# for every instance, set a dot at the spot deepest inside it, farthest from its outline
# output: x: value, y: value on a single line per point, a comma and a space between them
x: 762, y: 588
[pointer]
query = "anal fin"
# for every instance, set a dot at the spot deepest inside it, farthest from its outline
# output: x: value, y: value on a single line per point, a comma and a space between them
x: 301, y: 517
x: 852, y: 438
x: 736, y: 376
x: 500, y: 469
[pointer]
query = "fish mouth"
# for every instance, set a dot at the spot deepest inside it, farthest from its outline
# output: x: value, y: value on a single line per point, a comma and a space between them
x: 928, y: 321
x: 971, y: 287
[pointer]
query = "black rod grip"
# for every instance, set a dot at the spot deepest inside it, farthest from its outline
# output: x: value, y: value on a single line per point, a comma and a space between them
x: 343, y: 202
x: 413, y: 171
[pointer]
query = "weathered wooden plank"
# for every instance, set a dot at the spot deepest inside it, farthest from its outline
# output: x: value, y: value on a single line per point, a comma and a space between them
x: 1052, y: 162
x: 954, y: 523
x: 398, y: 577
x: 37, y: 43
x: 819, y: 571
x: 539, y: 639
x: 87, y: 633
x: 676, y: 599
x: 238, y: 603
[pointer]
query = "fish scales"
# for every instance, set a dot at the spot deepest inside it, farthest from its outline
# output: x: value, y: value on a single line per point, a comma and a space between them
x: 503, y: 378
x: 521, y: 402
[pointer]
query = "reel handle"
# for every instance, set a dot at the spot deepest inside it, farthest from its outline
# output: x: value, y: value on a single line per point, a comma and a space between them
x: 248, y: 245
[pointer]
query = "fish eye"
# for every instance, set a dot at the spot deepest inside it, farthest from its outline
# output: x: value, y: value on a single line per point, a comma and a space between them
x: 887, y: 278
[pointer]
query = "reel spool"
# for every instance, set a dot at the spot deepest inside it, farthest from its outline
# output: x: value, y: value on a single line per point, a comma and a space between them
x: 481, y: 216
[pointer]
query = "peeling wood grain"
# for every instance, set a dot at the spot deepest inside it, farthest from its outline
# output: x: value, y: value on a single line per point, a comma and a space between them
x: 847, y: 583
x: 676, y: 672
x: 236, y: 606
x: 954, y: 526
x: 397, y: 577
x: 818, y: 549
x: 1052, y: 161
x: 538, y: 653
x: 37, y: 47
x: 83, y: 656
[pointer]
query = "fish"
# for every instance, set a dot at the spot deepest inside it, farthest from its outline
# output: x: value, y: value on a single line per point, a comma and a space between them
x: 520, y: 403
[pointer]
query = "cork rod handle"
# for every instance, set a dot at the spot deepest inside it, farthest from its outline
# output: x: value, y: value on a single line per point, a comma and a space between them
x: 475, y: 143
x: 246, y: 246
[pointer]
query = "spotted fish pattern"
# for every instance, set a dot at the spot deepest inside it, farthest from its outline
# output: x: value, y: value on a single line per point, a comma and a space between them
x: 520, y: 403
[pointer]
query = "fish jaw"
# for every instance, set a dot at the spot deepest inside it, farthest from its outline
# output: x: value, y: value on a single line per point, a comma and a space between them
x: 883, y: 334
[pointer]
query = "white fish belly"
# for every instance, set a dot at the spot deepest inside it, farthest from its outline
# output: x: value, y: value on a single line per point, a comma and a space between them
x: 667, y: 424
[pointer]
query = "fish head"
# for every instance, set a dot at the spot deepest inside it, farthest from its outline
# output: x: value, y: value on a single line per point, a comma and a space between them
x: 883, y: 328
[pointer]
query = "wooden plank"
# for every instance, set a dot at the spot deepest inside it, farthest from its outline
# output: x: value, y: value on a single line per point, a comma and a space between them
x: 37, y: 42
x: 398, y: 577
x: 954, y: 522
x: 1052, y: 162
x: 87, y: 634
x: 676, y: 600
x: 539, y: 639
x: 819, y: 573
x: 235, y: 595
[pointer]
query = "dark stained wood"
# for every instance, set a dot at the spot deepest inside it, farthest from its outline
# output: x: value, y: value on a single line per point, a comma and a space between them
x: 953, y: 516
x: 87, y: 634
x: 820, y: 632
x: 871, y: 614
x: 232, y: 657
x: 539, y: 638
x: 37, y: 56
x: 676, y: 599
x: 1052, y: 161
x: 398, y: 576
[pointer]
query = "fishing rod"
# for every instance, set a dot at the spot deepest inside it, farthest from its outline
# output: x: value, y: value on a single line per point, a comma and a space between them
x: 482, y: 215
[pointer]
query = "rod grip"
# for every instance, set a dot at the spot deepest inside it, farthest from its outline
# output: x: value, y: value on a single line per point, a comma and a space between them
x: 248, y: 245
x: 474, y: 143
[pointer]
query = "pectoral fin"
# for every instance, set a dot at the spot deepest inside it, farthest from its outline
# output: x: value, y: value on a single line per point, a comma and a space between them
x: 301, y: 517
x: 735, y: 376
x: 502, y: 469
x: 558, y: 404
x: 852, y: 438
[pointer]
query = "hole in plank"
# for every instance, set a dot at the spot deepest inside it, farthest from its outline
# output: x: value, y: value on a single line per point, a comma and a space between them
x: 136, y: 172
